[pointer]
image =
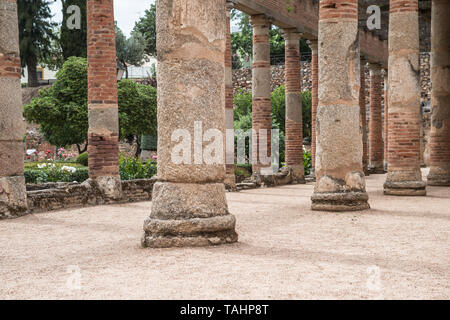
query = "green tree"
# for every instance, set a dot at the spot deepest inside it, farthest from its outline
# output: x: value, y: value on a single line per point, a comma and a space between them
x: 36, y: 33
x: 146, y: 26
x: 131, y: 50
x: 73, y: 42
x: 242, y: 41
x: 62, y: 111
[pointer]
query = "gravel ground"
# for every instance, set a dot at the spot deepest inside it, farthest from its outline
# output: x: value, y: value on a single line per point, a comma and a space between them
x: 400, y: 249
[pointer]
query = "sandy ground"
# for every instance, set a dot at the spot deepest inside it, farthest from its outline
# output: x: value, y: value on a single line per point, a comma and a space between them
x: 399, y: 249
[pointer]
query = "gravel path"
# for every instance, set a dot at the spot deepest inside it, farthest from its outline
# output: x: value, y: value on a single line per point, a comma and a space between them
x: 399, y: 249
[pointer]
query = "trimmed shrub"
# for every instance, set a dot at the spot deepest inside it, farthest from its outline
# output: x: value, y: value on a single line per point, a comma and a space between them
x: 83, y: 159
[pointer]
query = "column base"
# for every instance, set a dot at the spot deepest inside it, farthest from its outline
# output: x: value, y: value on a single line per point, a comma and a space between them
x: 230, y: 182
x: 110, y: 186
x: 340, y: 201
x: 189, y: 215
x: 376, y: 170
x: 297, y: 174
x: 13, y: 197
x: 405, y: 188
x: 196, y: 232
x: 438, y: 179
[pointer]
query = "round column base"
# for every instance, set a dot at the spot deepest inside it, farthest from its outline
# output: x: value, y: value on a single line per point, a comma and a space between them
x: 340, y: 201
x: 405, y: 188
x: 442, y: 180
x: 196, y: 232
x: 13, y: 197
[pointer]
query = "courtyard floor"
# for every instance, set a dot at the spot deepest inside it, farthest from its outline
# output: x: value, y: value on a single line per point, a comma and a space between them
x: 399, y: 249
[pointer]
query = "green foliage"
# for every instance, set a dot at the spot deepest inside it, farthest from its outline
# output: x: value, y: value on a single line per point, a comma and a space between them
x: 242, y: 102
x: 83, y: 159
x: 55, y: 173
x: 130, y: 51
x: 61, y: 110
x: 278, y: 99
x: 36, y: 33
x: 73, y: 42
x: 137, y: 109
x: 307, y: 162
x: 147, y: 27
x: 134, y: 168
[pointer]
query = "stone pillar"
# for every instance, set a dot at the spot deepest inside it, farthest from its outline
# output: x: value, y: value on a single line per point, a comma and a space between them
x: 386, y: 117
x: 314, y: 100
x: 103, y: 133
x: 230, y: 179
x: 261, y: 105
x: 440, y: 95
x: 376, y: 164
x: 189, y: 206
x: 294, y: 123
x: 340, y: 181
x: 13, y: 195
x: 404, y: 176
x: 363, y: 114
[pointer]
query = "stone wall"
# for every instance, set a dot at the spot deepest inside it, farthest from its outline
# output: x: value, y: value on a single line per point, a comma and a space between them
x: 57, y: 196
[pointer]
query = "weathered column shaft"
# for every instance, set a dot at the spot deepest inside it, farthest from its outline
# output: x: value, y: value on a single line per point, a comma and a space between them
x: 404, y: 175
x: 376, y: 122
x: 13, y: 196
x: 230, y: 179
x: 261, y: 105
x: 363, y: 114
x: 440, y: 95
x: 294, y: 123
x: 340, y: 181
x: 314, y: 99
x: 386, y: 117
x: 103, y: 135
x: 189, y: 206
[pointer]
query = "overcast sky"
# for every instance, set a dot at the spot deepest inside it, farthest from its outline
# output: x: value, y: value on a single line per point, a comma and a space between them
x: 126, y: 12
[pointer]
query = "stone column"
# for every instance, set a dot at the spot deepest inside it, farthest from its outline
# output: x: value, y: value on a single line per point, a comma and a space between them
x: 261, y: 105
x: 103, y: 133
x: 314, y: 100
x: 13, y: 195
x: 340, y: 181
x: 440, y: 95
x: 386, y: 117
x: 363, y: 114
x: 230, y: 179
x: 189, y: 206
x: 404, y: 176
x: 376, y: 164
x: 294, y: 123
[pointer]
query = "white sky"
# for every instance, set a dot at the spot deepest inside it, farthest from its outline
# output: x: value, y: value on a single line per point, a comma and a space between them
x: 126, y: 12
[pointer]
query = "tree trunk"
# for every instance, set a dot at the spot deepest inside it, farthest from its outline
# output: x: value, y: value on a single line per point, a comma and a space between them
x: 138, y: 146
x: 32, y: 71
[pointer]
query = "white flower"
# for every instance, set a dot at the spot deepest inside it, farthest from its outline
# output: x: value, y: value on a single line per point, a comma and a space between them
x: 69, y: 169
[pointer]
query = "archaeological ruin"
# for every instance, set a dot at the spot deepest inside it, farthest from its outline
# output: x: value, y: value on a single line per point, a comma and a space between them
x: 195, y: 97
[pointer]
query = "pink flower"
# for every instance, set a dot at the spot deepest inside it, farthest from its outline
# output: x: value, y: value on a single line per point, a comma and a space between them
x: 154, y: 157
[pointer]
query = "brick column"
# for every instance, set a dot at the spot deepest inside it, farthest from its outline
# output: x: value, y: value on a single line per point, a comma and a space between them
x: 189, y: 206
x: 103, y: 146
x: 375, y: 122
x: 13, y: 195
x: 386, y: 117
x: 261, y: 105
x: 230, y: 179
x: 404, y: 176
x: 363, y: 115
x: 314, y: 99
x: 340, y: 181
x: 440, y: 95
x: 294, y: 123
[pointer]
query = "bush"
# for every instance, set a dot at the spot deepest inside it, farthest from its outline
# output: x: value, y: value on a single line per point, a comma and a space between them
x: 83, y: 159
x: 55, y: 173
x: 133, y: 168
x: 307, y: 162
